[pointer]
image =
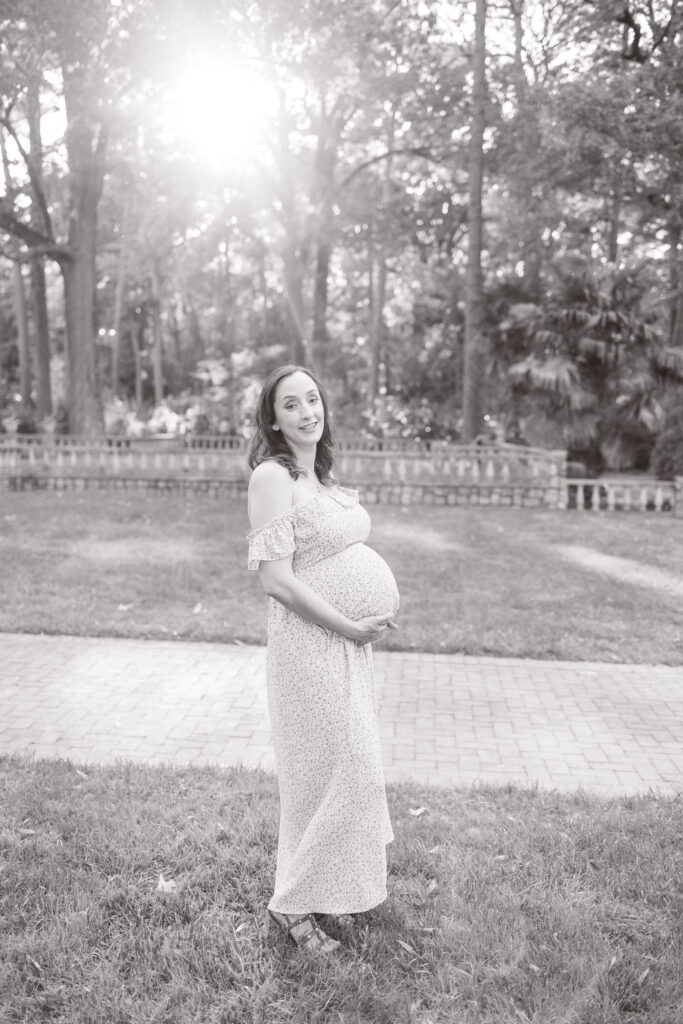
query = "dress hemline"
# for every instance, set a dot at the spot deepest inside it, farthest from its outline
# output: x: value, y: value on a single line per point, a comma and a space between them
x: 337, y: 912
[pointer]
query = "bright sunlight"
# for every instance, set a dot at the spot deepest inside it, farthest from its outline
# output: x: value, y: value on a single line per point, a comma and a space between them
x: 218, y: 113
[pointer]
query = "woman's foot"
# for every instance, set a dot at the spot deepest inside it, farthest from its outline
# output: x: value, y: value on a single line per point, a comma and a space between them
x: 305, y: 931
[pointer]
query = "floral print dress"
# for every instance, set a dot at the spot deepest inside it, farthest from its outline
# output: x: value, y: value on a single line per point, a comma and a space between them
x: 334, y: 819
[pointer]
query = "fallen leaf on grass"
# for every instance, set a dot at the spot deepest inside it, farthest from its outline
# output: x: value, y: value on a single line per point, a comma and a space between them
x: 34, y: 964
x: 165, y: 886
x: 241, y: 927
x: 431, y: 887
x: 26, y: 832
x: 434, y: 849
x: 51, y: 998
x: 406, y: 945
x: 417, y: 811
x: 643, y: 976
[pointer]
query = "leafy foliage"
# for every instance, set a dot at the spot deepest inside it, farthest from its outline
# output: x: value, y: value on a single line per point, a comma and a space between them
x: 596, y: 363
x: 341, y: 237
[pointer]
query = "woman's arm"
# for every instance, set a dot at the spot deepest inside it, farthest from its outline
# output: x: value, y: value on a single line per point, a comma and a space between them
x: 270, y: 495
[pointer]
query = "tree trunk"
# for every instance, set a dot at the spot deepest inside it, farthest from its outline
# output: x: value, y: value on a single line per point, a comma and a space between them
x: 323, y: 192
x: 20, y: 317
x: 196, y: 346
x: 41, y: 326
x: 378, y: 329
x: 294, y: 281
x: 22, y: 335
x: 517, y: 8
x: 379, y: 297
x: 227, y: 308
x: 523, y: 175
x: 121, y: 272
x: 85, y: 413
x: 320, y: 338
x: 292, y: 256
x: 86, y: 148
x: 474, y: 300
x: 614, y: 221
x: 41, y: 329
x: 135, y: 332
x: 676, y: 283
x: 157, y: 360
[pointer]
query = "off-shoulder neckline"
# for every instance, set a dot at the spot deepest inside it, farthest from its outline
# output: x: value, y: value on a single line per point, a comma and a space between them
x: 329, y: 493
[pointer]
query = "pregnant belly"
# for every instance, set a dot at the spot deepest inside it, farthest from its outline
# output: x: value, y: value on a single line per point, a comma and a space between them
x: 356, y: 581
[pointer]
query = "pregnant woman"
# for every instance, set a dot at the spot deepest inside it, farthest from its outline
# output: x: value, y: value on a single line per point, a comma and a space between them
x: 330, y: 596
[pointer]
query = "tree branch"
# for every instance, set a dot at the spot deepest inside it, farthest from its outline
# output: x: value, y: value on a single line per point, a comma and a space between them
x: 38, y: 244
x: 33, y: 177
x: 412, y: 150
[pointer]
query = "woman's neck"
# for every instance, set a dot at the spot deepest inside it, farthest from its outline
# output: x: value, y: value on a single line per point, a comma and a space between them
x: 305, y: 460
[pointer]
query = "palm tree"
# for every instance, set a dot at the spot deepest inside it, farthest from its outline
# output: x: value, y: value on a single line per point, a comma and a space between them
x: 597, y: 367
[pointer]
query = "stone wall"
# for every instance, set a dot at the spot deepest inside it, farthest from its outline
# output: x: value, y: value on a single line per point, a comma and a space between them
x: 572, y: 495
x: 455, y: 475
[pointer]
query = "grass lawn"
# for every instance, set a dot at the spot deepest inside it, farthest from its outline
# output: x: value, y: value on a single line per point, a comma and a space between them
x: 478, y: 581
x: 505, y: 906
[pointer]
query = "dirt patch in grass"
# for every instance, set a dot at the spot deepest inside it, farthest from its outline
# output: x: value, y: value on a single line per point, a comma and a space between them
x: 135, y: 550
x: 625, y: 570
x: 420, y: 536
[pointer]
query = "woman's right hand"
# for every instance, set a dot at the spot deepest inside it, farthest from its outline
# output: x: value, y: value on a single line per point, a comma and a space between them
x: 371, y: 627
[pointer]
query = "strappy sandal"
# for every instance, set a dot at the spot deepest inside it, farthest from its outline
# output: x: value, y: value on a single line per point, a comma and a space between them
x: 313, y: 939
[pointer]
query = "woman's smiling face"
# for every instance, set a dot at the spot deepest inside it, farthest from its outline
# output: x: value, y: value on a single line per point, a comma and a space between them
x: 299, y: 412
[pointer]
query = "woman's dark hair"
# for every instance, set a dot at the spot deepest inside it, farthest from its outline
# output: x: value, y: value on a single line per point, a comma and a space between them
x: 270, y: 444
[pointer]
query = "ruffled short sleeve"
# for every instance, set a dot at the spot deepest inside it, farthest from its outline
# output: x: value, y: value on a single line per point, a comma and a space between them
x: 271, y: 541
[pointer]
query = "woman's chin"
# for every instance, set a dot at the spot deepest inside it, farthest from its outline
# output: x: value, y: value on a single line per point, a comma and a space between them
x: 305, y: 440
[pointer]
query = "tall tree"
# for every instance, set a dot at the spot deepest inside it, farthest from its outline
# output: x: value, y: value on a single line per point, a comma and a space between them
x: 41, y: 328
x: 20, y: 312
x: 81, y: 39
x: 474, y: 302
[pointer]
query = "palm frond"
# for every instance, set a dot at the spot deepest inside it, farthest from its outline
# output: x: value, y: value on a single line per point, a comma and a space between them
x: 581, y: 430
x: 556, y: 375
x: 670, y: 360
x: 640, y: 409
x: 593, y: 347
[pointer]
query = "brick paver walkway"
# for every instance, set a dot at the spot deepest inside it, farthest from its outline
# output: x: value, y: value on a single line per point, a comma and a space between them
x: 444, y: 718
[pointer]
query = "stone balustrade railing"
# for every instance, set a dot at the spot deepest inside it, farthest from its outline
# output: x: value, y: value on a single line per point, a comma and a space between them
x: 457, y: 475
x: 624, y: 494
x: 225, y: 458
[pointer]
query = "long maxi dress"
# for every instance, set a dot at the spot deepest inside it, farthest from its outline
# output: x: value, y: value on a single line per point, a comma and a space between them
x: 334, y: 819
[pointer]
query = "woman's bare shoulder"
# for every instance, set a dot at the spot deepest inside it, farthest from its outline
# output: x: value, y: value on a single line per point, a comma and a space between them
x: 270, y: 492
